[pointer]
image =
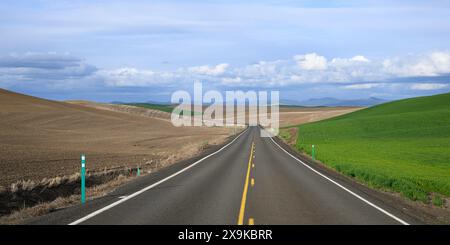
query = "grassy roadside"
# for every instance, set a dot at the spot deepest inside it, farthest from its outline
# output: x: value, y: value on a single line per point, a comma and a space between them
x: 285, y: 134
x: 403, y: 146
x: 43, y: 208
x: 288, y: 135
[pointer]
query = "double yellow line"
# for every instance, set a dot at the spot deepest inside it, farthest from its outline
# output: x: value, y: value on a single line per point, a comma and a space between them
x: 244, y: 194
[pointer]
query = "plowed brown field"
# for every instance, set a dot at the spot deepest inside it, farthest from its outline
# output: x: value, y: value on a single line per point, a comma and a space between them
x: 43, y: 139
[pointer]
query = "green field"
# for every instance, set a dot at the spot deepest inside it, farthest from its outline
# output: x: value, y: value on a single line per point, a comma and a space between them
x: 165, y: 108
x: 402, y: 146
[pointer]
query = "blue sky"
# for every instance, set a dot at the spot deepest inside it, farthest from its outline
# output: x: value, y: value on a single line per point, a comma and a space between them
x: 145, y: 50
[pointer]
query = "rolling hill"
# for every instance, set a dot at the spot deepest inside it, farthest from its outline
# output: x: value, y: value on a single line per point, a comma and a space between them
x: 403, y: 146
x: 43, y: 139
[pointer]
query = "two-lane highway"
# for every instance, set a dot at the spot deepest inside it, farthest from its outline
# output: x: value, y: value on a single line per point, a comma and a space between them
x: 252, y: 180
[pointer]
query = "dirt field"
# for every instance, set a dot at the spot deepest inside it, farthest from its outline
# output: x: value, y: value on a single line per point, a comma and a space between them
x: 294, y: 115
x: 125, y: 109
x: 290, y: 116
x: 44, y: 139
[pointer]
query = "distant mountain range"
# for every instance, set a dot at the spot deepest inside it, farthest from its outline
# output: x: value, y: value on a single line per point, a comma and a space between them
x: 328, y: 101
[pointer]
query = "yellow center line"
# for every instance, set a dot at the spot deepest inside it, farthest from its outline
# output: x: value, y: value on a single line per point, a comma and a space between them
x: 244, y: 194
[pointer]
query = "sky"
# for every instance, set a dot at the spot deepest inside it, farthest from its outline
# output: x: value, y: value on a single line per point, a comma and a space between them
x: 134, y: 51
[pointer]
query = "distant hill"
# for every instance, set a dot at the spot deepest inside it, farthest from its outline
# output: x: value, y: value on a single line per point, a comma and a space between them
x: 147, y: 102
x: 329, y: 101
x: 402, y: 145
x: 136, y: 110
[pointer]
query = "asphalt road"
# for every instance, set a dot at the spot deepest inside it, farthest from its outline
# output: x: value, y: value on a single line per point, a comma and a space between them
x: 252, y: 180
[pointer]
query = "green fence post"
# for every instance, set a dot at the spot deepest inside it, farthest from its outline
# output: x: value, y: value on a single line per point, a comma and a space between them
x: 83, y: 179
x: 313, y: 153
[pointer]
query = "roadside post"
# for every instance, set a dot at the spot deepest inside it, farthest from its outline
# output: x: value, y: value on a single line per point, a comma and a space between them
x: 313, y: 153
x: 83, y: 179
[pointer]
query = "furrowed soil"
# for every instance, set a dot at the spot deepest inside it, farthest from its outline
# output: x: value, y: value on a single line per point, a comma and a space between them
x: 44, y: 139
x: 290, y: 116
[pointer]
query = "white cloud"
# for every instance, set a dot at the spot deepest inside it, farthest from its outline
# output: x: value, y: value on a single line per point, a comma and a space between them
x: 208, y: 70
x: 441, y: 61
x: 357, y: 60
x: 262, y: 68
x: 357, y: 72
x: 428, y: 86
x: 432, y: 64
x: 311, y: 61
x: 354, y: 73
x: 360, y: 58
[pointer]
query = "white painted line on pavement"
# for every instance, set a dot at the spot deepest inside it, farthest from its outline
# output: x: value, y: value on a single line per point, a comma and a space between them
x: 342, y: 187
x: 153, y: 185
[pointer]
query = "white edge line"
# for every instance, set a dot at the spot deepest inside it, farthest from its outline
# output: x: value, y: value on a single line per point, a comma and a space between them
x: 151, y: 186
x: 339, y: 185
